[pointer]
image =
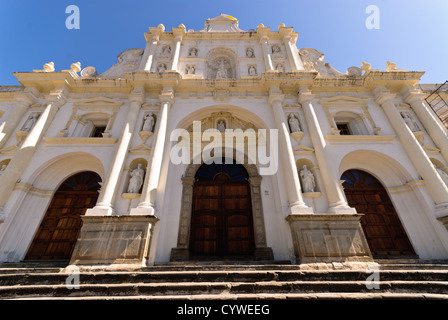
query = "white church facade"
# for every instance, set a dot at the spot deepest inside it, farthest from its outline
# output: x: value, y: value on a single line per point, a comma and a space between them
x: 221, y: 145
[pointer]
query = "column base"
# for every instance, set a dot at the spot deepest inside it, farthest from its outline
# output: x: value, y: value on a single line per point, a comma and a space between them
x: 143, y: 211
x: 441, y: 210
x: 114, y: 240
x: 328, y: 238
x: 300, y: 210
x: 342, y: 210
x: 100, y: 211
x: 180, y: 254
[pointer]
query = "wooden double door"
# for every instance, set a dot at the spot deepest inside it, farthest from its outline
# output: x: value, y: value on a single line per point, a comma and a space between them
x: 382, y: 227
x: 58, y: 232
x: 221, y: 220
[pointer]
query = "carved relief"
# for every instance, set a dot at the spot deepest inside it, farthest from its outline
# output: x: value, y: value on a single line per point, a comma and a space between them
x: 250, y: 52
x: 313, y: 60
x: 128, y: 61
x: 221, y: 64
x: 193, y: 52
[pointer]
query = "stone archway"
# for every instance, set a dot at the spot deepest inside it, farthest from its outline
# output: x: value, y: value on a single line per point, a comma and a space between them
x: 182, y: 252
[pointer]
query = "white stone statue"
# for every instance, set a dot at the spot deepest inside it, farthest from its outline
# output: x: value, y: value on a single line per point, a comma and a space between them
x: 252, y: 70
x: 191, y: 69
x: 294, y: 124
x: 193, y: 52
x: 166, y: 50
x: 279, y: 67
x: 136, y: 181
x: 30, y: 122
x: 222, y: 72
x: 308, y: 182
x: 221, y: 126
x: 276, y: 49
x: 410, y: 122
x: 250, y: 53
x: 161, y: 68
x: 148, y: 124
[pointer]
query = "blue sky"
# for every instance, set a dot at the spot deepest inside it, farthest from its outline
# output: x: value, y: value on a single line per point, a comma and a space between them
x: 412, y: 33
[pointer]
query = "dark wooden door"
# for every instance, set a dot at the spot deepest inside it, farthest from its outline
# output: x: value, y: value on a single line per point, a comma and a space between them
x: 381, y: 225
x: 59, y: 229
x: 221, y: 219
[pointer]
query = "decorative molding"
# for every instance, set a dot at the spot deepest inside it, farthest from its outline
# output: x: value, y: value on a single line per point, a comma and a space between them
x: 98, y: 102
x: 82, y: 140
x: 358, y: 138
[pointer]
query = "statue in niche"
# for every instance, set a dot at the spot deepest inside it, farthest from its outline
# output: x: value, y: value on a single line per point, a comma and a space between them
x: 307, y: 177
x: 221, y: 126
x: 191, y: 69
x: 161, y: 68
x: 294, y: 124
x: 279, y: 67
x: 166, y: 50
x: 148, y: 124
x: 30, y: 122
x: 275, y: 49
x: 410, y: 122
x: 136, y: 181
x: 222, y: 72
x: 252, y: 71
x: 250, y: 53
x: 193, y: 52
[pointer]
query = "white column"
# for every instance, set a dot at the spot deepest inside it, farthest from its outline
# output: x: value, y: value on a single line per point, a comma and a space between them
x: 148, y: 55
x: 24, y: 154
x: 435, y: 129
x: 292, y: 58
x: 266, y: 53
x: 175, y: 60
x: 149, y: 192
x: 104, y: 206
x: 10, y: 124
x: 434, y: 183
x: 330, y: 178
x: 288, y: 164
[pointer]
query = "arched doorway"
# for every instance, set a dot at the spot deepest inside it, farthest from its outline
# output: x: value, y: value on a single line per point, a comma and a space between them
x: 221, y: 217
x: 59, y: 229
x: 381, y: 225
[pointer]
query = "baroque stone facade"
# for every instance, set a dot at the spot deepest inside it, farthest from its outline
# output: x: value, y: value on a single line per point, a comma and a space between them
x: 87, y: 171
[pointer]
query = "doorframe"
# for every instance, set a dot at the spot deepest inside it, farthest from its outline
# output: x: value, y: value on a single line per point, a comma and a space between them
x: 182, y: 251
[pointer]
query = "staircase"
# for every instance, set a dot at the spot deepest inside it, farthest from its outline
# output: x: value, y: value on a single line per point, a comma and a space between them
x: 413, y: 279
x: 438, y: 104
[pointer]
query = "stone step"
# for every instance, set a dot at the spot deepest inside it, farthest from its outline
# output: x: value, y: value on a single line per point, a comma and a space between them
x: 37, y: 278
x: 220, y: 288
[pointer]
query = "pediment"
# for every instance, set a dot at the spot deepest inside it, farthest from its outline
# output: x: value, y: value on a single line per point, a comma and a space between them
x: 342, y: 100
x: 99, y: 102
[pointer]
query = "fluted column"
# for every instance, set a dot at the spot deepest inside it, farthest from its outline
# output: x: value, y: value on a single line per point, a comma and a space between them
x: 24, y: 101
x: 333, y: 189
x: 178, y: 34
x: 104, y: 206
x: 293, y: 63
x: 434, y: 183
x: 266, y: 53
x: 148, y: 55
x: 149, y: 192
x: 25, y: 153
x: 435, y: 130
x: 293, y: 188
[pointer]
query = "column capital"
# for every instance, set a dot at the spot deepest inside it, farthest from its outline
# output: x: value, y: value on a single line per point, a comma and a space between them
x: 275, y: 95
x: 137, y: 95
x: 167, y: 95
x: 57, y: 96
x: 383, y: 95
x: 412, y: 95
x: 305, y: 95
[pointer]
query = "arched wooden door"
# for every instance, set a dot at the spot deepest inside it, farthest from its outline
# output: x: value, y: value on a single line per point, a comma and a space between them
x: 221, y: 219
x: 57, y: 234
x: 381, y: 225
